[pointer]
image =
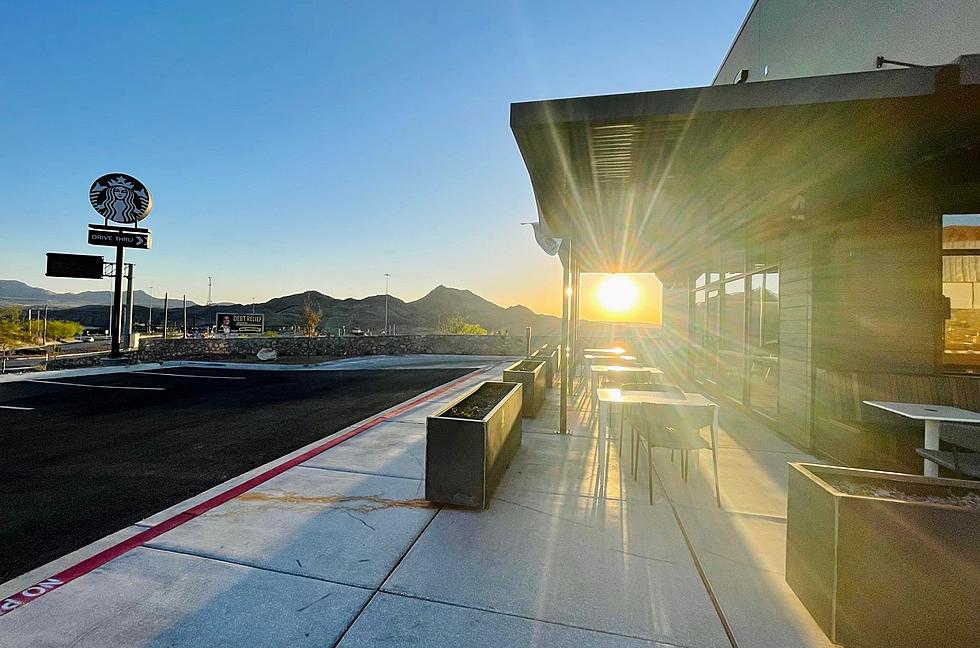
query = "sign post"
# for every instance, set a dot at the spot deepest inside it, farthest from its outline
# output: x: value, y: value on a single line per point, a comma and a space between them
x: 119, y: 198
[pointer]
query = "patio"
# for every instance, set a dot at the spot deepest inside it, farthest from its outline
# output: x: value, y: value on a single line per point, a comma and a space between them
x: 340, y: 550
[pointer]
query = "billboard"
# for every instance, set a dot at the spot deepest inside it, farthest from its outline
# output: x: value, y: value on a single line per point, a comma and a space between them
x: 78, y: 266
x: 228, y: 323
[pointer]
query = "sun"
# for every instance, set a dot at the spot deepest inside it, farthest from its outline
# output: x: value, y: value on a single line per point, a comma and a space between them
x: 618, y: 294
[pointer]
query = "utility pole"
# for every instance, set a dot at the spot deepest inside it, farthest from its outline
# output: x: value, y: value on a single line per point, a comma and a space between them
x: 149, y: 317
x: 165, y: 315
x: 44, y: 335
x: 129, y: 305
x: 386, y: 302
x: 209, y: 292
x: 185, y: 317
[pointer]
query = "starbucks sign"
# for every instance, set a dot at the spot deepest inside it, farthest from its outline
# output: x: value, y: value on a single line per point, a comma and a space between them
x: 121, y: 198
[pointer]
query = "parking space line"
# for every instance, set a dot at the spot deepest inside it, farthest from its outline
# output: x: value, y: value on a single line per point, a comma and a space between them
x: 176, y: 375
x: 14, y: 407
x: 74, y: 384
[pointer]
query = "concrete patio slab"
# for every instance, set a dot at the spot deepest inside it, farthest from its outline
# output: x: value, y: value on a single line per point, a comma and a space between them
x: 751, y: 481
x: 761, y: 608
x: 390, y: 449
x: 339, y: 526
x: 402, y: 622
x: 756, y: 541
x: 150, y: 598
x: 568, y: 465
x: 616, y: 567
x: 38, y: 574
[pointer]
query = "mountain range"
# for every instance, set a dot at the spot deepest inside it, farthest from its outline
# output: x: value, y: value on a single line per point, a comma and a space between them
x: 18, y: 292
x: 420, y: 316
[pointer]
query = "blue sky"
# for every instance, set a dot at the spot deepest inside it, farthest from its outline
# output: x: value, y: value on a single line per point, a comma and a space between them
x: 293, y: 146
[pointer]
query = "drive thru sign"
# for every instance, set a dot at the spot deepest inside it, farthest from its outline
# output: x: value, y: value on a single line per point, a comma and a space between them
x: 118, y: 237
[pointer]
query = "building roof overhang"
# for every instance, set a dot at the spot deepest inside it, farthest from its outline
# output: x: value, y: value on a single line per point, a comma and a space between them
x: 638, y: 181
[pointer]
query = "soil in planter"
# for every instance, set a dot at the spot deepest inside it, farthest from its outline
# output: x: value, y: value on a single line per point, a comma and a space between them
x: 479, y: 403
x: 526, y: 365
x: 906, y: 492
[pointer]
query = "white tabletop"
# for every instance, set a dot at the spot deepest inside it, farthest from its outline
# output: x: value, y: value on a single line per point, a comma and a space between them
x: 624, y: 358
x: 657, y: 398
x: 618, y: 368
x: 924, y: 412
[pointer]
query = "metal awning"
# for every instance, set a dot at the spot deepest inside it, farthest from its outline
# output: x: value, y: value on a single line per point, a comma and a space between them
x: 638, y: 181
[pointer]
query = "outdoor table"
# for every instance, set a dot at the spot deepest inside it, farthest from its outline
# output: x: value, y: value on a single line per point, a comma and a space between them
x: 610, y: 351
x: 609, y: 397
x: 596, y: 370
x: 934, y: 417
x: 603, y: 358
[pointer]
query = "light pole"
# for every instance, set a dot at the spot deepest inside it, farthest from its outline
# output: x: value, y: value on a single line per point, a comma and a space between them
x: 149, y: 317
x: 386, y: 302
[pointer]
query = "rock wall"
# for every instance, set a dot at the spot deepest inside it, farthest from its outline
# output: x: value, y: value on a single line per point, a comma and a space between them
x: 155, y: 350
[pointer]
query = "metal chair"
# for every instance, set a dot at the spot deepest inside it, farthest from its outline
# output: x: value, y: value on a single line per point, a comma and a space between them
x: 964, y: 463
x: 626, y: 409
x: 677, y: 427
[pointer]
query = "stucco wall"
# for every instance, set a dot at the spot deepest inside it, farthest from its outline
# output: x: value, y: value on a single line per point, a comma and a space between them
x: 800, y: 38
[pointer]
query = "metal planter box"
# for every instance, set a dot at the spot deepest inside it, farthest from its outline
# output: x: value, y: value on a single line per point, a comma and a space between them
x: 465, y: 458
x: 531, y: 374
x: 881, y: 571
x: 550, y: 357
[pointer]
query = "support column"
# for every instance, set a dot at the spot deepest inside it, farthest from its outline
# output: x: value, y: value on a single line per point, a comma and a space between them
x: 116, y: 323
x: 576, y: 311
x: 565, y: 312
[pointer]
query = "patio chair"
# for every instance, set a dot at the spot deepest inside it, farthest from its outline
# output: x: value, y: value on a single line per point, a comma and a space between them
x: 964, y: 463
x: 627, y: 409
x: 677, y: 427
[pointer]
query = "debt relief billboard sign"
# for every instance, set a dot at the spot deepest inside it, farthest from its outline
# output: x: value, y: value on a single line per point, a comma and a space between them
x: 230, y: 323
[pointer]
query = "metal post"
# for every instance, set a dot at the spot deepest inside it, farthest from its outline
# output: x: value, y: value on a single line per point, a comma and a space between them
x: 527, y: 334
x: 166, y: 302
x: 129, y: 305
x: 116, y: 323
x: 44, y: 333
x: 576, y: 311
x: 149, y: 317
x: 565, y: 376
x: 386, y: 302
x: 185, y: 317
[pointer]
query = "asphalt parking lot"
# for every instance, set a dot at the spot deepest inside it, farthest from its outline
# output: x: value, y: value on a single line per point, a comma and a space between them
x: 85, y: 456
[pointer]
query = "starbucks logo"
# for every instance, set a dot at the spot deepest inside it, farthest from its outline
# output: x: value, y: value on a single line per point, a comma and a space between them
x: 121, y: 198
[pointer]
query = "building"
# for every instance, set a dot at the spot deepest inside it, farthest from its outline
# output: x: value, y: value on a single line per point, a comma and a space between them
x: 812, y: 214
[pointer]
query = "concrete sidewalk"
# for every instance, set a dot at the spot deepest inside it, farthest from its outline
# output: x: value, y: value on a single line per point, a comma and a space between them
x: 342, y: 550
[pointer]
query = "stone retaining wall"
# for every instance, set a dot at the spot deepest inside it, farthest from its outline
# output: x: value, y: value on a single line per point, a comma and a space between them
x: 155, y: 350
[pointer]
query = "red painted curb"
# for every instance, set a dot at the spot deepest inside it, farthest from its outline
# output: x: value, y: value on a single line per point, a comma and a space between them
x: 93, y: 562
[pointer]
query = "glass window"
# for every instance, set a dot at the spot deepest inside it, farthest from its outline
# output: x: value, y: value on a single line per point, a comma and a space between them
x: 961, y: 232
x: 731, y: 354
x: 763, y: 342
x: 960, y: 283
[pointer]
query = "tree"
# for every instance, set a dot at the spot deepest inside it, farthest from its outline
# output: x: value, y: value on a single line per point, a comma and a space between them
x: 311, y: 316
x: 457, y: 325
x: 62, y: 330
x: 13, y: 333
